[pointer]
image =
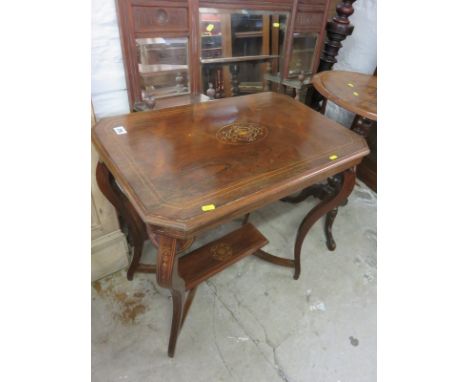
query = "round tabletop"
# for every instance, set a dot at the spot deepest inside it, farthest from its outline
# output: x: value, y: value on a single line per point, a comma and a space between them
x: 355, y: 92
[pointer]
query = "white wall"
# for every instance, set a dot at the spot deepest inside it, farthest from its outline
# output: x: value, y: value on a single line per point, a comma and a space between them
x: 108, y: 88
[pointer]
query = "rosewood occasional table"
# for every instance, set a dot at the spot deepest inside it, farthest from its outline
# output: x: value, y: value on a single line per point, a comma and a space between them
x: 174, y: 173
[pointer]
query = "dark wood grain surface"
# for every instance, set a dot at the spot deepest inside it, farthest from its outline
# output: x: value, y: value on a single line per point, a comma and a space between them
x: 355, y: 92
x: 237, y: 154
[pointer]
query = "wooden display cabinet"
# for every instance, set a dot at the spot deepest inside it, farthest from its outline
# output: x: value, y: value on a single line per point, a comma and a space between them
x: 220, y: 48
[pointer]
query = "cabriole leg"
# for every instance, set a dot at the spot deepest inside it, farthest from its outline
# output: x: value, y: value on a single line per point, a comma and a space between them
x: 167, y: 276
x: 136, y: 227
x: 326, y: 205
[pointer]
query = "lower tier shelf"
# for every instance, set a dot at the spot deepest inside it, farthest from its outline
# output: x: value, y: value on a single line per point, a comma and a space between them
x: 212, y: 258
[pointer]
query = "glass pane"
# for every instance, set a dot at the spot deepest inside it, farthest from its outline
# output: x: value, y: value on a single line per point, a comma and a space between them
x: 247, y: 34
x: 253, y: 40
x: 211, y: 36
x: 302, y: 53
x: 163, y: 67
x: 231, y: 79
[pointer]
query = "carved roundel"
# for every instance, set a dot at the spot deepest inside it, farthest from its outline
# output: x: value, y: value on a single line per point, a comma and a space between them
x: 161, y: 16
x: 241, y: 132
x: 221, y: 251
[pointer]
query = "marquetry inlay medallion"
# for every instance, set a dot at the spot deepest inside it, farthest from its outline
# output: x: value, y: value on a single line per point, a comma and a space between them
x: 221, y: 251
x: 241, y: 132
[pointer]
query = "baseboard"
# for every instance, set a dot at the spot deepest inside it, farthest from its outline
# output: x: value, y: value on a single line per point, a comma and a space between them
x: 109, y: 254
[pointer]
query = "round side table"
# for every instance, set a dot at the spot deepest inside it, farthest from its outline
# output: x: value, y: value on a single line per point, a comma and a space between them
x: 355, y: 92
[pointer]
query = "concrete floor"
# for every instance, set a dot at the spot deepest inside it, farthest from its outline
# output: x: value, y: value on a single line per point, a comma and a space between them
x: 253, y: 322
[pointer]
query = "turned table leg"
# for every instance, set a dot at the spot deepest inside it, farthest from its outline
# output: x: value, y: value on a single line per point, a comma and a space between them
x: 331, y: 202
x: 126, y: 211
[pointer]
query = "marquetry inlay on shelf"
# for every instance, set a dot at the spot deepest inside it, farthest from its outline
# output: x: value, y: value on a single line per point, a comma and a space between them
x: 210, y: 259
x: 241, y: 132
x: 221, y: 251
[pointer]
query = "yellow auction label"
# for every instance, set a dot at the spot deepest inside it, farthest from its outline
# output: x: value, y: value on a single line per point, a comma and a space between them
x: 208, y: 207
x: 356, y: 93
x: 351, y: 85
x: 209, y: 27
x: 333, y: 157
x: 276, y: 25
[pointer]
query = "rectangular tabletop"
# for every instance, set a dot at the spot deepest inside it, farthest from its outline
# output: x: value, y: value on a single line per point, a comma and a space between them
x: 233, y: 154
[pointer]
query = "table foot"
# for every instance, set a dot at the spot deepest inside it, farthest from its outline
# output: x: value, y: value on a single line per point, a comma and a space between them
x: 328, y: 228
x: 181, y: 303
x: 178, y: 301
x: 324, y: 207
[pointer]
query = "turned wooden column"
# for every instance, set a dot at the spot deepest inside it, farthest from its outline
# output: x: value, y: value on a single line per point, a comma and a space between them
x: 338, y: 28
x: 234, y: 68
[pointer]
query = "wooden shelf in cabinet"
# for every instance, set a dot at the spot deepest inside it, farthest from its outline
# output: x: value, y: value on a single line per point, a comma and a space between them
x: 248, y: 34
x: 221, y: 60
x: 165, y: 103
x: 297, y: 51
x: 166, y: 92
x: 148, y: 70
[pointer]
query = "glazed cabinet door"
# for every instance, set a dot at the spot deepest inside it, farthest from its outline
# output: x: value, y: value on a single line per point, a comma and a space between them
x: 155, y: 40
x: 238, y: 47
